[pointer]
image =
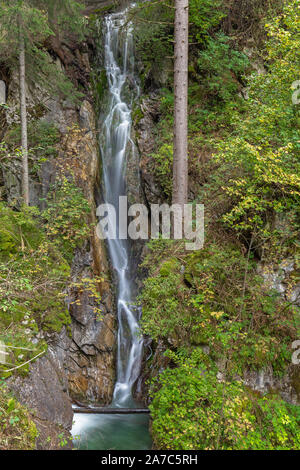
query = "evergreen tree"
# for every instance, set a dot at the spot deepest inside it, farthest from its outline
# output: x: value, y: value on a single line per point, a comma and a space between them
x: 22, y: 29
x: 24, y: 26
x: 64, y: 17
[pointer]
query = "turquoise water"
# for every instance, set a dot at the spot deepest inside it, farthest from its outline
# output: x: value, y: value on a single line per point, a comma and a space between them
x: 111, y: 432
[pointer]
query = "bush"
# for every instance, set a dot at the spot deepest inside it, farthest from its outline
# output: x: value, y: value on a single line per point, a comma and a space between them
x: 259, y: 161
x: 17, y: 430
x: 219, y: 301
x: 163, y: 168
x: 222, y: 66
x: 66, y: 215
x: 33, y: 276
x: 192, y: 409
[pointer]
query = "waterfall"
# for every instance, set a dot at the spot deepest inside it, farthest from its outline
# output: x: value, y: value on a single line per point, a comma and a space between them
x: 115, y: 145
x: 114, y: 431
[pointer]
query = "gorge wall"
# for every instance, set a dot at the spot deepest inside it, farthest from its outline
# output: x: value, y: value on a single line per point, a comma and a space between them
x: 80, y: 362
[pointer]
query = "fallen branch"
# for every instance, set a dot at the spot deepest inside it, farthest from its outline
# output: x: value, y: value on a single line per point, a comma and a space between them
x: 24, y: 363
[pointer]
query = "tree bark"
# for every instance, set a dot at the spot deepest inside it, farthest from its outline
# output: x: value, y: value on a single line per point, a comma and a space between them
x: 23, y: 115
x: 180, y: 154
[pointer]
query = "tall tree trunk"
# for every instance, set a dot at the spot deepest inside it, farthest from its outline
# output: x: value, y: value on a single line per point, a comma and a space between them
x: 23, y: 115
x: 180, y: 163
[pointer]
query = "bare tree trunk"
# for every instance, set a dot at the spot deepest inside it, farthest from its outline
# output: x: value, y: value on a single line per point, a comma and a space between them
x: 23, y: 115
x: 180, y: 163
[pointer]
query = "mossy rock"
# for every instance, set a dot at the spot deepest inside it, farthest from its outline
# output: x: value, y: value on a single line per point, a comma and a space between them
x: 17, y: 230
x: 193, y: 266
x: 137, y: 115
x: 101, y: 85
x: 170, y: 266
x: 56, y: 319
x: 51, y: 313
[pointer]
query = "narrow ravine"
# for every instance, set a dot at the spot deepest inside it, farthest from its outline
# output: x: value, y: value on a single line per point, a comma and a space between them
x: 119, y: 65
x: 119, y: 431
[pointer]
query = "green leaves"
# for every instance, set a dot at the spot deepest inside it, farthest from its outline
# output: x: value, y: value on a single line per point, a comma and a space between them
x: 17, y: 430
x: 221, y: 66
x: 163, y: 167
x: 65, y: 17
x: 259, y: 158
x: 193, y: 409
x: 16, y: 17
x: 30, y: 267
x: 218, y: 301
x: 65, y: 213
x: 204, y: 16
x: 36, y: 21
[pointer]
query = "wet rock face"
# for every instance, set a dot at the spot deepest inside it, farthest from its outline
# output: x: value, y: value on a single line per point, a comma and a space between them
x: 264, y: 381
x: 90, y: 361
x: 279, y: 278
x: 145, y: 127
x: 80, y: 363
x: 44, y: 393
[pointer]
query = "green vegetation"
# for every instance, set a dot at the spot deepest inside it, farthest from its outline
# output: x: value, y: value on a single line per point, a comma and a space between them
x: 218, y: 301
x: 65, y: 215
x: 154, y: 29
x: 212, y: 311
x: 216, y: 319
x: 262, y: 155
x: 192, y: 409
x: 33, y: 275
x: 37, y: 21
x: 162, y: 163
x: 42, y: 137
x: 17, y: 430
x: 35, y: 262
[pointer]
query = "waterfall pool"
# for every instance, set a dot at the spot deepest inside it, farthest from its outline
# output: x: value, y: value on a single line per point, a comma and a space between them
x: 111, y: 432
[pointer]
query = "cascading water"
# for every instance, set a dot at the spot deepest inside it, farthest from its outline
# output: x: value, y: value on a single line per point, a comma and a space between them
x: 119, y: 431
x: 119, y: 65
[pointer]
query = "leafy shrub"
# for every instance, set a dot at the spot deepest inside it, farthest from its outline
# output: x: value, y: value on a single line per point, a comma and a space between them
x: 154, y: 43
x: 205, y: 15
x: 192, y: 409
x: 221, y: 66
x: 16, y: 228
x: 42, y: 136
x: 17, y: 430
x: 219, y: 301
x: 33, y: 275
x: 260, y: 158
x: 163, y: 167
x: 66, y: 213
